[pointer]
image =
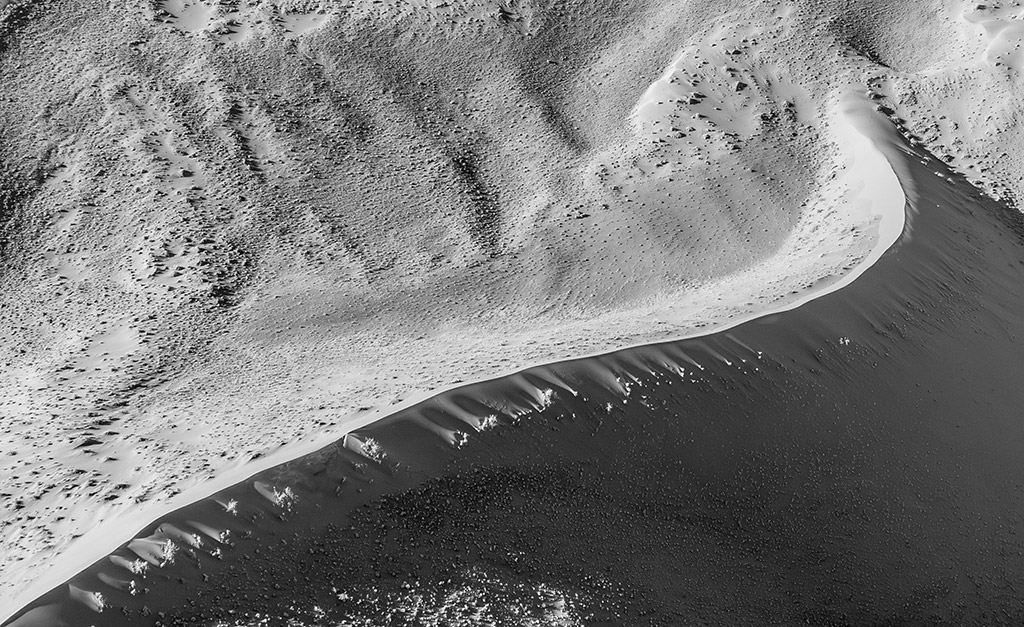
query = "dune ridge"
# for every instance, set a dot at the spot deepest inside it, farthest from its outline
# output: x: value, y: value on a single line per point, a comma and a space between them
x: 869, y: 147
x: 664, y: 468
x: 229, y: 227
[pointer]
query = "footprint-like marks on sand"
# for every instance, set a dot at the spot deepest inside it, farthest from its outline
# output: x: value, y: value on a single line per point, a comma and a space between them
x: 229, y: 23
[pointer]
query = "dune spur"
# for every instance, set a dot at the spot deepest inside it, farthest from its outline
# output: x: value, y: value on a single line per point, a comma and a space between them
x: 239, y: 228
x: 869, y: 147
x: 742, y: 477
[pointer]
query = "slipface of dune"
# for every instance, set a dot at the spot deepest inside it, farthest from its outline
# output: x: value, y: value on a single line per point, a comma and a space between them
x: 234, y: 230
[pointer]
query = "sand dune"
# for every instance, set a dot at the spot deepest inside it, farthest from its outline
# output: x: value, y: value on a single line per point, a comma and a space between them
x: 232, y: 230
x: 740, y: 478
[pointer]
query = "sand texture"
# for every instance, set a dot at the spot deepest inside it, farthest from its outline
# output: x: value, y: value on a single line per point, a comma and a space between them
x: 231, y: 231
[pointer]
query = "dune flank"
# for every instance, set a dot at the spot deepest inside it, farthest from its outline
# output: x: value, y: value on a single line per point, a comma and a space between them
x: 229, y: 229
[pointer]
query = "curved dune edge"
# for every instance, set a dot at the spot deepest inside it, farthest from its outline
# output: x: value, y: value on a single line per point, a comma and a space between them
x: 870, y: 147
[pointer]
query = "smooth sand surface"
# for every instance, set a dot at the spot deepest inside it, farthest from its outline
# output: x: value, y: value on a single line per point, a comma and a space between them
x: 232, y: 232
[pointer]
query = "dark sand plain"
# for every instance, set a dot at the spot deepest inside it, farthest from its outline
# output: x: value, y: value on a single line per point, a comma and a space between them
x: 855, y: 461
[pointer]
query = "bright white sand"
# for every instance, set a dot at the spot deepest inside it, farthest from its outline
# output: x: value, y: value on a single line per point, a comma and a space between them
x: 228, y: 258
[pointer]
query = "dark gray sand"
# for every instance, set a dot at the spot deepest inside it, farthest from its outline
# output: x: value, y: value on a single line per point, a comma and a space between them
x: 856, y: 461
